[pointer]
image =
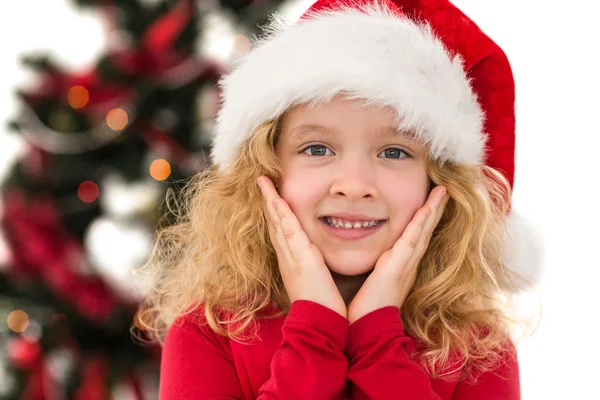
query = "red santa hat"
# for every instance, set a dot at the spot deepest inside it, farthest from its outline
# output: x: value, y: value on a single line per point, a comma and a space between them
x: 449, y: 83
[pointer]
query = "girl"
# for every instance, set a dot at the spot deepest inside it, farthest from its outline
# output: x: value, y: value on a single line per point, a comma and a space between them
x: 348, y: 241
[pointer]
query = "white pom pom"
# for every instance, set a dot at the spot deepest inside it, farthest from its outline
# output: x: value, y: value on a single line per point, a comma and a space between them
x: 522, y: 253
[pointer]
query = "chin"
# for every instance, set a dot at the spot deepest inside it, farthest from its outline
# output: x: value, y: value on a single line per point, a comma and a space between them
x: 350, y: 264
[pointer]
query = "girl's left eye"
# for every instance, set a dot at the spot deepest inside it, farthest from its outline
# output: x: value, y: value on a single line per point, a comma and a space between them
x: 394, y: 152
x: 320, y: 149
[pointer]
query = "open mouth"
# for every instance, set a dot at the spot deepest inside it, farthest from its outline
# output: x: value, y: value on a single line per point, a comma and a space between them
x: 338, y: 223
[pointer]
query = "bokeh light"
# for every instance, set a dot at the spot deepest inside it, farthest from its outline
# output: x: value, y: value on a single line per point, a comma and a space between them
x: 23, y: 353
x: 78, y: 97
x: 18, y: 320
x: 160, y: 169
x: 88, y: 191
x: 33, y: 333
x: 117, y: 119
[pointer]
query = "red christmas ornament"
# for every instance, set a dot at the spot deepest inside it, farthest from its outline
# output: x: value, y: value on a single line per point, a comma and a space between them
x: 23, y: 353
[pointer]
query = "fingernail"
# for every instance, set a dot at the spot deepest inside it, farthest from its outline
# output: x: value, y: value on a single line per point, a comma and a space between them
x: 443, y: 192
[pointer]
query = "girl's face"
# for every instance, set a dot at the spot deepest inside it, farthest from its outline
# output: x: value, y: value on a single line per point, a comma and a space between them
x: 339, y: 158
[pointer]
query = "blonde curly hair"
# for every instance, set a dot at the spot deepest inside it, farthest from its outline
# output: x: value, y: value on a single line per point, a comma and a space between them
x: 218, y: 256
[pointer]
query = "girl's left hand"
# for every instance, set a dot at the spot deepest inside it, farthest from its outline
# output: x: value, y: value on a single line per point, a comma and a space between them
x: 396, y: 270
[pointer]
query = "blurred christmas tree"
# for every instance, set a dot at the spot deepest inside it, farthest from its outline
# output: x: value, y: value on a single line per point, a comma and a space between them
x: 79, y: 207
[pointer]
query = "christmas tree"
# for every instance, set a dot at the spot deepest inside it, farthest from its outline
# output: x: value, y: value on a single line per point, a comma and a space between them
x: 80, y: 206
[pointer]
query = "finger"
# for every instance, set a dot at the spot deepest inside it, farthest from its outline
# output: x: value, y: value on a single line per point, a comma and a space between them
x: 404, y: 248
x: 439, y: 201
x: 274, y: 225
x: 411, y: 245
x: 267, y: 188
x: 295, y: 237
x: 283, y: 215
x: 292, y: 240
x: 270, y: 195
x: 273, y: 235
x: 276, y: 231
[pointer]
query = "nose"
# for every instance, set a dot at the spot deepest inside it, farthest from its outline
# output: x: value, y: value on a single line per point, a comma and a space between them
x: 354, y: 179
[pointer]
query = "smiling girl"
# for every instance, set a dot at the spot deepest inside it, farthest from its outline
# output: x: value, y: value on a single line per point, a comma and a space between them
x: 349, y: 241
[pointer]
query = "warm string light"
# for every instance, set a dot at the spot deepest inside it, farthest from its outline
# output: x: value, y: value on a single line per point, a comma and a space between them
x: 117, y: 119
x: 160, y: 169
x: 18, y: 321
x: 78, y: 97
x: 88, y: 191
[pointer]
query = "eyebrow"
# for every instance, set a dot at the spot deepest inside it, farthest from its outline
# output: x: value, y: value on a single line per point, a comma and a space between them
x: 297, y: 133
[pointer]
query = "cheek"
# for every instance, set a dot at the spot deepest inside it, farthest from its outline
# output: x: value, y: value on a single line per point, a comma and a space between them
x: 302, y: 192
x: 405, y: 199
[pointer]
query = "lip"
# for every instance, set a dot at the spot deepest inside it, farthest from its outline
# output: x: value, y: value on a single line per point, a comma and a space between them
x: 351, y: 234
x: 353, y: 217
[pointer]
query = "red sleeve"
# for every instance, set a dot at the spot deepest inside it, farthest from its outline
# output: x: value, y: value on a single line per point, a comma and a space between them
x: 381, y: 368
x: 195, y: 365
x: 309, y: 364
x: 502, y: 384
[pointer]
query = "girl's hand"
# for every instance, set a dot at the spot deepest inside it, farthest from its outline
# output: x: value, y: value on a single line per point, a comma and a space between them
x: 396, y: 270
x: 302, y: 267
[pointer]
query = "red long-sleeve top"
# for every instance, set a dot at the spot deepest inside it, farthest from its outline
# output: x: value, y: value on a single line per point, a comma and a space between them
x: 313, y: 353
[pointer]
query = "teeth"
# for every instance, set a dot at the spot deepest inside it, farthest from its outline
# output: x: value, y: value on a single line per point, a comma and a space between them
x: 338, y: 223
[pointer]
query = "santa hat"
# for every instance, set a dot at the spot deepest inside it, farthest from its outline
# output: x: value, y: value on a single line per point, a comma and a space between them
x: 448, y: 82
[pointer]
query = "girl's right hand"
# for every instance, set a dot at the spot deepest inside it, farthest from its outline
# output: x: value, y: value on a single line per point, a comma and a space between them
x: 302, y: 267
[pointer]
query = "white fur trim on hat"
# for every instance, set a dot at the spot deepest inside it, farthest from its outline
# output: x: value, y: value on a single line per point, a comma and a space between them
x: 368, y: 53
x: 522, y: 252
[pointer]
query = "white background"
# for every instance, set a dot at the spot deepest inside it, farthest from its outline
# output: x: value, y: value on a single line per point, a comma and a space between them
x: 554, y: 53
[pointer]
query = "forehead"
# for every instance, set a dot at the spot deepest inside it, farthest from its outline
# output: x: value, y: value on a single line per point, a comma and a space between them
x: 299, y: 132
x: 341, y: 116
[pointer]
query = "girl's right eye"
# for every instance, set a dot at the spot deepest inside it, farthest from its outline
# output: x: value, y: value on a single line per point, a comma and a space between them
x: 319, y: 152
